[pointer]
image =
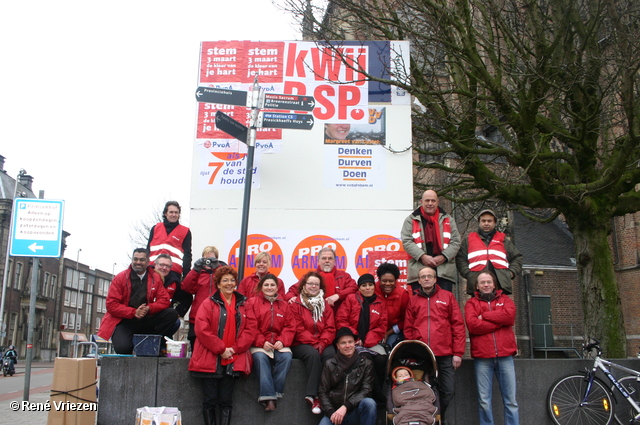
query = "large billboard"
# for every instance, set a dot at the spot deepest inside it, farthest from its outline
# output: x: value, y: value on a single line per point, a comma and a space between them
x: 346, y: 183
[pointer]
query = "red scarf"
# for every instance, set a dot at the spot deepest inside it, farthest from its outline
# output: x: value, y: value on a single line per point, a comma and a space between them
x: 329, y: 282
x: 432, y: 231
x: 229, y: 336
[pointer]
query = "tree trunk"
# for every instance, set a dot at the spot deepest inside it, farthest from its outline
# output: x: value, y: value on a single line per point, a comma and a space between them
x: 603, y: 318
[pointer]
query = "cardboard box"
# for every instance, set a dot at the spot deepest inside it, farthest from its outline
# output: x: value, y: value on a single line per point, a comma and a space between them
x: 73, y: 392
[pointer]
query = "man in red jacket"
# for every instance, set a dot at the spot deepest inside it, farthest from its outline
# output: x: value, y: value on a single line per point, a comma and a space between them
x: 433, y: 317
x: 137, y: 303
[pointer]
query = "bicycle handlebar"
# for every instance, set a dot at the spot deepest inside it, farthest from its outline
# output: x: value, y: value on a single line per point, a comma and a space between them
x: 591, y: 345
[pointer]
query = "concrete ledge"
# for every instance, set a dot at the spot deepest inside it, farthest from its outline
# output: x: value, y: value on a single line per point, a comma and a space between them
x: 127, y: 383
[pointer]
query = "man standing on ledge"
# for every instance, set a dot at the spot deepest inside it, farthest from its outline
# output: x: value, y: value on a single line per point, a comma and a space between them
x: 430, y: 236
x: 137, y: 303
x: 488, y: 250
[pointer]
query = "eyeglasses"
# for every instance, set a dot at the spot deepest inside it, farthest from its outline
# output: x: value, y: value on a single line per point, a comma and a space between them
x: 163, y: 266
x: 428, y: 276
x: 312, y: 284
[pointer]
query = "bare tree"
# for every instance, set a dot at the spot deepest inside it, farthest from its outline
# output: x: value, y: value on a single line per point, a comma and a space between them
x: 139, y: 234
x: 534, y: 103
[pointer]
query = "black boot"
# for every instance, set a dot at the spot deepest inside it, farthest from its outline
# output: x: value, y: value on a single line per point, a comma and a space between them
x: 209, y: 416
x: 225, y: 416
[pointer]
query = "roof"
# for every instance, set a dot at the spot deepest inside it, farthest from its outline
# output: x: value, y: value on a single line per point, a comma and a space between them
x: 544, y: 244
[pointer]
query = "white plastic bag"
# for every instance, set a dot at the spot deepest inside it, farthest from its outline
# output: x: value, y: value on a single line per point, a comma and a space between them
x: 158, y: 416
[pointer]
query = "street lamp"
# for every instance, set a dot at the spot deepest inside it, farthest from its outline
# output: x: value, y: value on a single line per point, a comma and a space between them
x: 75, y: 323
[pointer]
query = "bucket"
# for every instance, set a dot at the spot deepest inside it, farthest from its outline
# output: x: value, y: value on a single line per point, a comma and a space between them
x: 176, y: 349
x: 146, y: 345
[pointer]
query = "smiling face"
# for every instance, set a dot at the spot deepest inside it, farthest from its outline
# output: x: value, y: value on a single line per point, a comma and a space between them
x: 172, y: 214
x: 227, y: 285
x: 312, y: 286
x: 429, y: 202
x: 327, y: 261
x: 337, y: 131
x: 162, y: 266
x: 387, y: 283
x: 367, y: 289
x: 485, y: 283
x: 270, y: 288
x: 262, y: 266
x: 139, y: 262
x: 347, y: 345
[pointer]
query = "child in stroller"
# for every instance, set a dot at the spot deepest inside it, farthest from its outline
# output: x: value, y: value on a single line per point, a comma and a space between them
x: 414, y: 401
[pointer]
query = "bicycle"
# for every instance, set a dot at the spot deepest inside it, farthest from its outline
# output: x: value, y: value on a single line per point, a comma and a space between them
x: 585, y: 399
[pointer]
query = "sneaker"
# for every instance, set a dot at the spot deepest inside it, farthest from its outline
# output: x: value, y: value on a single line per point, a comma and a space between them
x: 315, y: 407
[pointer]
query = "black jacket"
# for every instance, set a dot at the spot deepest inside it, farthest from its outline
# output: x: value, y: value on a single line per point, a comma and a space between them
x: 338, y: 388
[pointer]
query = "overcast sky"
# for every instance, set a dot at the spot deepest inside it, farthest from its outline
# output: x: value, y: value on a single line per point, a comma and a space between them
x: 97, y: 104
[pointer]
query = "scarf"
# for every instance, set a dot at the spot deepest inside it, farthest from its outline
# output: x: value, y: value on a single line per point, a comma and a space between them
x: 229, y: 336
x: 487, y: 236
x: 315, y: 304
x: 365, y: 319
x: 488, y: 297
x: 431, y: 232
x: 170, y: 226
x: 346, y: 363
x: 270, y: 299
x: 329, y: 282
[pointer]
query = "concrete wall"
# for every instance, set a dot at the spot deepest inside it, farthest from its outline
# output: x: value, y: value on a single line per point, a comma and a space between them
x: 128, y: 383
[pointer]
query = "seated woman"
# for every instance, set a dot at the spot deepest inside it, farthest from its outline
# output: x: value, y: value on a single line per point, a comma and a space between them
x: 249, y: 285
x: 199, y: 281
x: 315, y: 331
x: 366, y: 315
x: 270, y: 351
x: 395, y: 299
x: 224, y: 334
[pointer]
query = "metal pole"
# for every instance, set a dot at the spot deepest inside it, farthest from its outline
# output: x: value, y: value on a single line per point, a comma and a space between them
x: 31, y: 326
x: 5, y: 279
x: 75, y: 322
x: 248, y: 175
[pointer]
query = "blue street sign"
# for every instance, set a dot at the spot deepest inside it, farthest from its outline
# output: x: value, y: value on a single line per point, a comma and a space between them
x: 37, y: 228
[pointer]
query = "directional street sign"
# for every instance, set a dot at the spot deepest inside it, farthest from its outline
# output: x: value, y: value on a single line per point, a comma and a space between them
x: 232, y: 127
x: 289, y: 102
x: 37, y: 228
x: 295, y: 121
x: 224, y: 96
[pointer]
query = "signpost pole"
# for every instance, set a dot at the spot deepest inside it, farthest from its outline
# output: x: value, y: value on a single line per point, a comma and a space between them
x: 248, y: 176
x: 31, y: 325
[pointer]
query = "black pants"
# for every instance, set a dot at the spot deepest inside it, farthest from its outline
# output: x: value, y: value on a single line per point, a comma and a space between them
x: 313, y: 362
x: 217, y: 392
x: 161, y: 323
x: 446, y: 381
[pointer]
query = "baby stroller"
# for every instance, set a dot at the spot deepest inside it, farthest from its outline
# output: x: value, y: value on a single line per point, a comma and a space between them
x: 417, y: 356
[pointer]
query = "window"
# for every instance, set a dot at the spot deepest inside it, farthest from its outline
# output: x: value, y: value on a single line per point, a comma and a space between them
x: 67, y: 298
x: 74, y: 298
x: 16, y: 282
x: 80, y: 297
x: 65, y: 319
x: 45, y: 284
x: 79, y: 322
x: 72, y: 321
x: 54, y: 282
x: 98, y: 320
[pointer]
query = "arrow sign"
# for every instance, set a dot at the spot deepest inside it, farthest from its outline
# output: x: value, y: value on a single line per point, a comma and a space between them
x: 35, y: 247
x: 230, y: 126
x: 295, y: 121
x: 224, y: 96
x: 289, y: 102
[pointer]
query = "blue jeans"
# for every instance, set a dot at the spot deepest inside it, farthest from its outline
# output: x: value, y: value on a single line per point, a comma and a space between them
x: 364, y: 414
x: 271, y: 380
x: 394, y: 338
x: 505, y: 373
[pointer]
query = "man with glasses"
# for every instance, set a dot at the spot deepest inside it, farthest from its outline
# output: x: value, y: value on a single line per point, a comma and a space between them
x: 137, y: 303
x: 433, y: 317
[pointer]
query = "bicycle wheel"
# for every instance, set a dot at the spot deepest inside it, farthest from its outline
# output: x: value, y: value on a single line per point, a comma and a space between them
x: 565, y: 402
x: 624, y: 411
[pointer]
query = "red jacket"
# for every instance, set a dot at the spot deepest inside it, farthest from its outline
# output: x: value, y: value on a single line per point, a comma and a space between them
x: 349, y: 315
x: 344, y: 286
x: 274, y: 320
x: 200, y: 284
x: 210, y: 323
x: 436, y: 320
x: 396, y: 303
x: 320, y: 334
x: 492, y: 336
x: 249, y: 284
x: 120, y: 293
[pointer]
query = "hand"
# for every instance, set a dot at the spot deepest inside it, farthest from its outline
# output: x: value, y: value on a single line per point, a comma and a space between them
x: 338, y: 415
x: 292, y: 300
x: 428, y: 261
x: 278, y: 345
x: 439, y: 259
x: 228, y: 353
x: 359, y: 342
x: 198, y: 266
x: 267, y: 346
x: 142, y: 311
x: 480, y: 317
x: 456, y: 362
x: 332, y: 299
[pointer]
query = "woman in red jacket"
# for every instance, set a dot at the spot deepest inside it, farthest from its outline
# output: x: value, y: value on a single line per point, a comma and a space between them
x: 224, y: 335
x: 315, y: 332
x: 270, y: 351
x: 249, y: 285
x: 490, y: 316
x: 396, y: 300
x: 199, y: 281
